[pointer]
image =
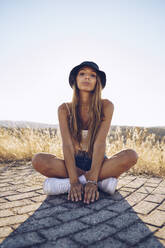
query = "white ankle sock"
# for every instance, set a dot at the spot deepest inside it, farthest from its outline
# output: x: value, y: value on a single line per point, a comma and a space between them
x: 108, y: 185
x: 56, y: 186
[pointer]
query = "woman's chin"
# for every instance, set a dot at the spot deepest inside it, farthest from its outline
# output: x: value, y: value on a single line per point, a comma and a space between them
x: 86, y: 89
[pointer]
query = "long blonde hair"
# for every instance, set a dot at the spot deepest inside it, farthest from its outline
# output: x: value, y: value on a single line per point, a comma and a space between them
x: 95, y: 115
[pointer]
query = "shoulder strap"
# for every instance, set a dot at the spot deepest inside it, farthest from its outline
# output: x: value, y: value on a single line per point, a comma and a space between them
x: 68, y: 108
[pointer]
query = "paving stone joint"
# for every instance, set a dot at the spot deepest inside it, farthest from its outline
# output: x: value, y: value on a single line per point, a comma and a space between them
x: 133, y: 217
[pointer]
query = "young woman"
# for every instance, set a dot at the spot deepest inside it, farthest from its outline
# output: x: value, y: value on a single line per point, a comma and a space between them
x: 84, y: 124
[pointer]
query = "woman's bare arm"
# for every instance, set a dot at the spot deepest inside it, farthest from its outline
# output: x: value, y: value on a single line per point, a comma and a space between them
x: 100, y: 142
x: 67, y: 144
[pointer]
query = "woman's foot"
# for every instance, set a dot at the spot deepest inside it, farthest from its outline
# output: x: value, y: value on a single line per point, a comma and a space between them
x: 108, y: 185
x: 57, y: 186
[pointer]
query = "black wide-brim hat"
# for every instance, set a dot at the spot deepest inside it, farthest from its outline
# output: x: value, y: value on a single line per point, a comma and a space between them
x: 94, y: 66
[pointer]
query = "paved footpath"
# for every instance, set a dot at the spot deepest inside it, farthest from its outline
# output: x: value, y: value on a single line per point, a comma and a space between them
x: 133, y: 217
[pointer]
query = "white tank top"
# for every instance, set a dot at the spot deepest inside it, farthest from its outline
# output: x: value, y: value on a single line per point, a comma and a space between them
x: 84, y: 143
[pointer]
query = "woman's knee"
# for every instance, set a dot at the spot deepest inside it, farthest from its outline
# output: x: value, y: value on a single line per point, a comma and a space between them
x: 37, y: 161
x: 131, y: 156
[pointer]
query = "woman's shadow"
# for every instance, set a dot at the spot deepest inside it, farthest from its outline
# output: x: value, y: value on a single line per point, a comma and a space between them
x: 108, y: 222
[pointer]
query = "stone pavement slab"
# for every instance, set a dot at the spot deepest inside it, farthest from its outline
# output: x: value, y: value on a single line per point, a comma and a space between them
x: 133, y: 217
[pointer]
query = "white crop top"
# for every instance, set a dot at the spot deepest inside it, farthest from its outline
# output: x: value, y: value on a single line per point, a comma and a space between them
x: 84, y: 142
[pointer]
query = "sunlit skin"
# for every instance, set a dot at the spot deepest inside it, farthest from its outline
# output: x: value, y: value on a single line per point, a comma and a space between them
x: 51, y: 166
x: 86, y: 79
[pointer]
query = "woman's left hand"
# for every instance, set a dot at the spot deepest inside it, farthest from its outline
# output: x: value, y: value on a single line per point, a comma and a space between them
x: 90, y: 192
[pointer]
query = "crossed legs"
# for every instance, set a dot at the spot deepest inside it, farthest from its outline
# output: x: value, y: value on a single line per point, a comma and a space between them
x: 51, y: 166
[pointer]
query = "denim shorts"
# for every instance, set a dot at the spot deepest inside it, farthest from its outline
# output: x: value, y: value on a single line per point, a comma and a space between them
x: 83, y: 162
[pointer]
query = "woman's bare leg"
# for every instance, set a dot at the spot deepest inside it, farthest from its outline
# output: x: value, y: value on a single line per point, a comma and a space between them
x: 51, y: 166
x: 118, y: 163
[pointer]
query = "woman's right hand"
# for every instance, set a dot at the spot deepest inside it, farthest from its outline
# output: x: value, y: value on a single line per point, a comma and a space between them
x: 76, y: 191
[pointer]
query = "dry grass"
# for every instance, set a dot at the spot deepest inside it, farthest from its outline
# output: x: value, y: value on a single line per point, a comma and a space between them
x: 150, y: 149
x: 23, y: 143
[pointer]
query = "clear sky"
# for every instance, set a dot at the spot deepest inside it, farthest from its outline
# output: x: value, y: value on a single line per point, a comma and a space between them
x: 42, y: 40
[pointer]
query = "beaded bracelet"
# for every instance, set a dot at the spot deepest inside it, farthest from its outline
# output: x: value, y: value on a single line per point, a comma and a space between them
x: 91, y: 181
